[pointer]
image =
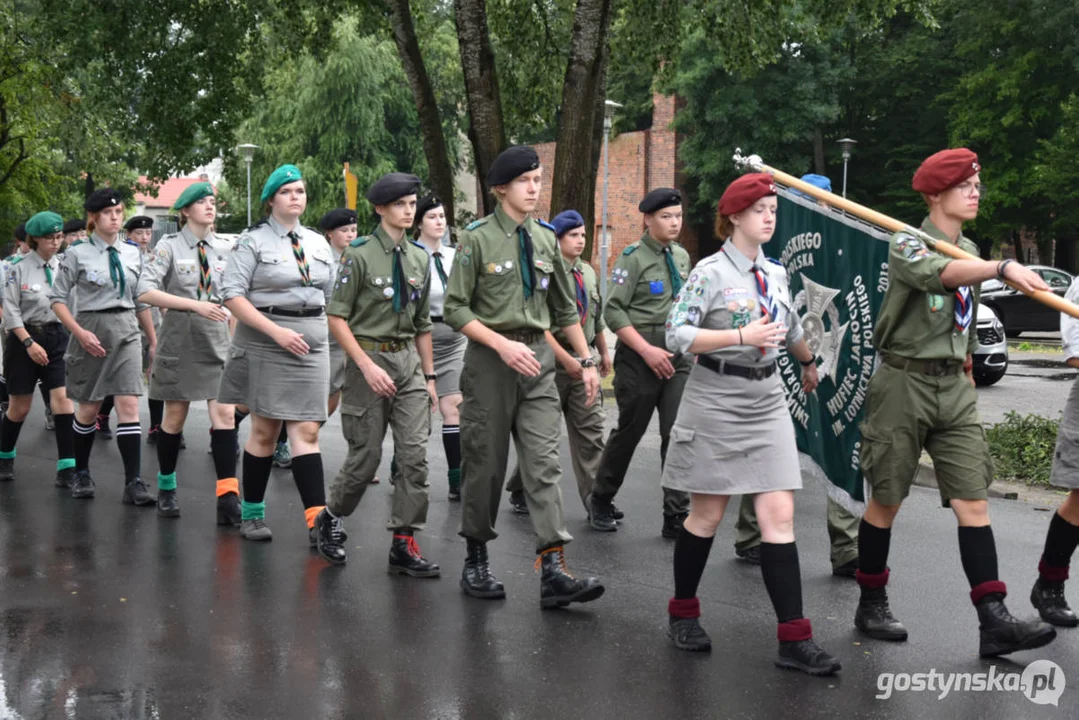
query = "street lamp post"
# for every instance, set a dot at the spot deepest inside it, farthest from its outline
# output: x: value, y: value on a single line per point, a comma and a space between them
x: 247, y: 150
x: 609, y: 108
x: 847, y: 145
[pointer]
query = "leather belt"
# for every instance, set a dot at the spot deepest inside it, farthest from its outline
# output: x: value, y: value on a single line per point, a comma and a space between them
x: 44, y: 328
x: 289, y: 312
x: 109, y: 310
x: 933, y: 368
x: 742, y: 371
x: 389, y: 346
x: 437, y: 318
x: 522, y: 336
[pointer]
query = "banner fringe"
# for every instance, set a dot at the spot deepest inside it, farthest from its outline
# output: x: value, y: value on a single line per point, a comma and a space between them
x: 811, y: 469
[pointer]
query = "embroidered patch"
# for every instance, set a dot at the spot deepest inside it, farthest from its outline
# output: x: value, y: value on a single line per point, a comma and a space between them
x: 655, y: 287
x: 936, y: 302
x: 693, y: 316
x: 911, y: 248
x: 545, y: 282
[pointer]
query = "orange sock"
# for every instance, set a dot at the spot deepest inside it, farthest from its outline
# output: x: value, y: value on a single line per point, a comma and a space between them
x: 311, y: 513
x: 228, y: 485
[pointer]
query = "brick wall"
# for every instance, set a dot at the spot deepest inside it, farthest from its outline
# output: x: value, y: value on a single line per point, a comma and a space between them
x: 639, y: 162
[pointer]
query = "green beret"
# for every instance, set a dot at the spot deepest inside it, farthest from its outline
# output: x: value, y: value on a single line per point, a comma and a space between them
x: 193, y: 193
x: 43, y: 224
x: 281, y: 176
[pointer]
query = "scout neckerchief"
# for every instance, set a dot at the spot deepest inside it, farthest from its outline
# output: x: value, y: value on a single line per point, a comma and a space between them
x: 764, y: 293
x: 582, y: 296
x: 116, y: 270
x: 400, y: 282
x: 964, y: 309
x: 204, y: 271
x: 441, y: 270
x: 301, y: 259
x: 48, y: 274
x: 528, y: 273
x: 676, y: 277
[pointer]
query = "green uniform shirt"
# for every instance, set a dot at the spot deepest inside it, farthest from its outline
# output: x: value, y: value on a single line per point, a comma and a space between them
x: 917, y: 317
x: 640, y: 287
x: 592, y: 323
x: 486, y: 282
x: 363, y: 294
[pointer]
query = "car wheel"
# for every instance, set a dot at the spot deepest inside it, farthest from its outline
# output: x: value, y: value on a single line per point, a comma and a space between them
x: 985, y: 379
x: 1012, y: 333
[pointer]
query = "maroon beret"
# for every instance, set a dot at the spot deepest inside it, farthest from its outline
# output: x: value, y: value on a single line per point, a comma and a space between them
x: 745, y: 191
x: 944, y: 170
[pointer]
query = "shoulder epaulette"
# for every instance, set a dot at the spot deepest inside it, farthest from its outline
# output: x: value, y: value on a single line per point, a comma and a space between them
x: 775, y: 262
x: 547, y: 225
x: 630, y: 250
x: 418, y: 244
x: 15, y: 260
x: 260, y: 223
x: 76, y: 243
x: 476, y: 223
x: 359, y: 241
x: 131, y: 242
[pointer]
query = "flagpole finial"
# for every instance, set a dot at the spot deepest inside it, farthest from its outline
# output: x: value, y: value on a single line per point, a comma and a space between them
x: 753, y: 162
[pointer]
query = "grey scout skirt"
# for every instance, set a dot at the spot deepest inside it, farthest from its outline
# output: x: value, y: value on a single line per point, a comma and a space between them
x: 91, y: 379
x: 271, y: 381
x: 732, y: 436
x: 449, y: 358
x: 1066, y: 457
x: 191, y: 354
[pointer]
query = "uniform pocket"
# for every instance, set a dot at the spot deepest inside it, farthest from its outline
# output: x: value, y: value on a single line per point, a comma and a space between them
x: 874, y: 455
x: 166, y: 370
x: 544, y: 269
x: 681, y: 451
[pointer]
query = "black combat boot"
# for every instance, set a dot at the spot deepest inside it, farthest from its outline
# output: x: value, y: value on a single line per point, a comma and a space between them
x: 167, y: 504
x: 136, y: 493
x: 329, y: 537
x: 476, y: 577
x: 1001, y: 633
x: 558, y: 588
x: 1047, y: 596
x: 83, y: 485
x: 807, y: 656
x: 601, y: 515
x: 517, y: 503
x: 874, y: 618
x: 228, y: 509
x: 687, y: 634
x: 405, y: 557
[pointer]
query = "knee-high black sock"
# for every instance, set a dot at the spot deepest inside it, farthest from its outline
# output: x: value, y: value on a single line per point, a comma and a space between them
x: 690, y: 557
x: 783, y: 578
x: 978, y: 551
x: 283, y: 435
x: 1060, y: 543
x: 223, y: 448
x: 873, y: 546
x: 129, y: 442
x: 45, y: 396
x: 168, y: 450
x: 106, y: 406
x: 256, y: 477
x: 83, y: 443
x: 451, y: 441
x: 9, y: 435
x: 307, y: 472
x: 157, y: 410
x: 65, y: 436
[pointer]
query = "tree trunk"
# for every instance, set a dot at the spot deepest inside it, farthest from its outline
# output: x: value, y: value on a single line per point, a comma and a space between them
x: 486, y: 130
x: 818, y: 151
x: 434, y: 141
x: 580, y: 130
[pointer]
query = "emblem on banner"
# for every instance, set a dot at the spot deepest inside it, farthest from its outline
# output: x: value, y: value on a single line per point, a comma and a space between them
x: 824, y: 339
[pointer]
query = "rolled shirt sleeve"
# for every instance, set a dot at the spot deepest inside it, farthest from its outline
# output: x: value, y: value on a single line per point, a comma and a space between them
x: 457, y: 308
x: 914, y: 264
x: 688, y: 312
x: 620, y: 293
x: 561, y: 299
x: 346, y: 289
x: 240, y: 268
x: 421, y: 319
x: 66, y: 277
x: 12, y: 292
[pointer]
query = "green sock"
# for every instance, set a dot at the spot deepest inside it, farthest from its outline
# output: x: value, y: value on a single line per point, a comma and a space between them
x: 252, y: 511
x: 166, y: 482
x: 7, y: 455
x: 65, y: 463
x: 455, y: 478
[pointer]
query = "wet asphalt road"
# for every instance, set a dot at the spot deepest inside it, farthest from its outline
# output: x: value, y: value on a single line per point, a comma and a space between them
x: 108, y: 612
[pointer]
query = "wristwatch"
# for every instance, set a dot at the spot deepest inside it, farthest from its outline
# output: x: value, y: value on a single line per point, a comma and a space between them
x: 807, y: 363
x: 587, y: 362
x: 432, y: 376
x: 28, y: 341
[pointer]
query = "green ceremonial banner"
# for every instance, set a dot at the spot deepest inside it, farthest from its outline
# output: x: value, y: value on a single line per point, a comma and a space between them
x: 838, y: 270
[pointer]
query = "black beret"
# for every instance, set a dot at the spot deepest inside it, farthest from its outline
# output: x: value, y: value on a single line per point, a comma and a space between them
x: 392, y: 186
x: 73, y: 226
x: 139, y: 222
x: 101, y: 199
x: 512, y: 163
x: 20, y: 232
x: 426, y: 204
x: 660, y: 198
x: 337, y: 218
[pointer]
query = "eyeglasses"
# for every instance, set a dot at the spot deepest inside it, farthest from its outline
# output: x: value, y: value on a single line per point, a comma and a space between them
x: 968, y: 189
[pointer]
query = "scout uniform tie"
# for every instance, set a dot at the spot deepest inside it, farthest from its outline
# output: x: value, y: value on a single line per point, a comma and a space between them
x: 400, y: 282
x: 528, y: 272
x: 964, y: 309
x: 676, y: 277
x: 582, y: 296
x: 204, y: 272
x: 301, y: 259
x: 765, y: 295
x: 48, y: 274
x: 441, y: 270
x: 116, y: 270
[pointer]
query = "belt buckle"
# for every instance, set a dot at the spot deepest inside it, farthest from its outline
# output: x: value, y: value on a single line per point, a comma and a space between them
x: 758, y: 373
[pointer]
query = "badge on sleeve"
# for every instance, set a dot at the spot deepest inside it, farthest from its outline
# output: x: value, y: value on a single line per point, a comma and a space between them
x: 656, y: 287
